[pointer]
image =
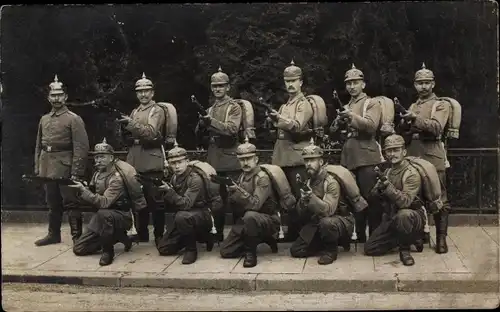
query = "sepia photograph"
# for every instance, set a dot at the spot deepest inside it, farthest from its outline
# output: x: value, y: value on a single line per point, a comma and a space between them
x: 250, y: 156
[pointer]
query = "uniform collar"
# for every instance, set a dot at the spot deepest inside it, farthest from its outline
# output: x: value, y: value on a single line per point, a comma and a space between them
x: 400, y: 167
x: 297, y: 97
x: 249, y: 176
x: 223, y: 101
x: 59, y: 112
x: 144, y: 107
x: 361, y: 97
x: 432, y: 97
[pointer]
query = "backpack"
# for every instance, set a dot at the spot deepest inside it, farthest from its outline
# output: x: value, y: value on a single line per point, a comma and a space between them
x: 454, y: 118
x: 204, y: 169
x: 386, y: 122
x: 280, y: 186
x: 247, y: 127
x: 431, y: 186
x: 170, y: 127
x: 133, y: 187
x: 348, y: 187
x: 319, y: 118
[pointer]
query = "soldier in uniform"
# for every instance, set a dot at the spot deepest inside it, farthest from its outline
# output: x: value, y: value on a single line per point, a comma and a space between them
x: 188, y: 196
x: 146, y: 154
x: 361, y: 151
x: 223, y: 123
x: 294, y: 123
x: 325, y: 211
x: 61, y: 151
x: 255, y: 208
x: 405, y: 219
x: 428, y: 118
x: 110, y: 195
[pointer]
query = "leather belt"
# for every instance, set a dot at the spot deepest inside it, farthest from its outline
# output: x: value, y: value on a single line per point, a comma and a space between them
x: 64, y: 147
x: 352, y: 134
x: 416, y: 136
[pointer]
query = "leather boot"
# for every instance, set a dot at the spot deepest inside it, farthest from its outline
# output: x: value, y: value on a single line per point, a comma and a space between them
x: 125, y: 240
x: 210, y: 242
x: 405, y: 256
x: 273, y: 244
x: 441, y: 222
x: 191, y: 253
x: 250, y: 252
x: 329, y: 255
x: 54, y: 233
x: 141, y: 224
x: 291, y: 234
x: 75, y: 225
x: 158, y: 223
x: 108, y: 253
x: 346, y: 243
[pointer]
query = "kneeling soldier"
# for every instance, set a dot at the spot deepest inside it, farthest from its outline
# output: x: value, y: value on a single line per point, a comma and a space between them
x: 188, y: 196
x: 322, y: 207
x: 116, y: 192
x: 399, y: 188
x: 255, y: 209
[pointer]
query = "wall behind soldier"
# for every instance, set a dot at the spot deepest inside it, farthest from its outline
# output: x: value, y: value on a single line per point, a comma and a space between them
x: 99, y: 52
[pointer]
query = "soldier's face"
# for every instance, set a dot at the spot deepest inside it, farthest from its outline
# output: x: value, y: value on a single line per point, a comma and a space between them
x: 395, y: 155
x: 145, y: 96
x: 248, y: 163
x: 102, y: 161
x: 313, y: 165
x: 57, y: 100
x: 355, y: 87
x: 424, y: 88
x: 220, y: 90
x: 178, y: 166
x: 293, y: 86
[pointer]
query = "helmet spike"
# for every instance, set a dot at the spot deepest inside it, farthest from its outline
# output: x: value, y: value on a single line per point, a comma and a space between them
x: 246, y: 138
x: 143, y: 75
x: 311, y: 142
x: 352, y: 66
x: 175, y: 143
x: 423, y: 65
x: 292, y: 62
x: 220, y: 69
x: 55, y: 79
x: 104, y: 141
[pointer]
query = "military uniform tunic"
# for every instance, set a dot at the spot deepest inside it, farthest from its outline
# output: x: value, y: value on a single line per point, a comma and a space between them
x: 192, y: 218
x: 326, y: 214
x: 113, y: 216
x: 255, y: 212
x: 404, y: 218
x: 61, y: 150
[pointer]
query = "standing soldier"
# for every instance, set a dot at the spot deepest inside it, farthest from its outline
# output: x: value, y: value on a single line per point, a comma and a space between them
x: 361, y: 152
x: 189, y: 198
x: 61, y: 151
x: 401, y: 189
x: 146, y: 154
x: 115, y: 192
x: 428, y: 117
x: 255, y: 208
x: 294, y: 123
x: 223, y: 123
x: 323, y: 207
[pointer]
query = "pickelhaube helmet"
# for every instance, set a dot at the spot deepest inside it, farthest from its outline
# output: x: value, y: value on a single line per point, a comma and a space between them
x: 219, y: 78
x: 176, y: 153
x: 246, y: 149
x: 292, y: 72
x: 353, y: 74
x: 312, y: 151
x: 56, y: 87
x: 393, y: 141
x: 103, y: 148
x: 143, y: 83
x: 424, y: 74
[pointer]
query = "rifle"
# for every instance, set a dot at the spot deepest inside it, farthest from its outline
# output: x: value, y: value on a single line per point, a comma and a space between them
x: 149, y: 180
x: 114, y: 112
x: 34, y: 178
x: 201, y: 110
x: 339, y: 107
x: 400, y: 108
x: 221, y: 180
x: 267, y: 106
x: 388, y: 207
x: 303, y: 185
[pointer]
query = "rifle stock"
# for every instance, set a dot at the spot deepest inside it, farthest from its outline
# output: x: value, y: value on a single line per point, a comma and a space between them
x: 265, y: 105
x: 303, y: 185
x: 34, y: 178
x: 400, y: 108
x: 200, y: 108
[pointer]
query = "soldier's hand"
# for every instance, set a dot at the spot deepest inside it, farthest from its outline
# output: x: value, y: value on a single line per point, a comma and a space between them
x: 124, y: 119
x: 305, y: 195
x: 382, y: 185
x: 274, y: 115
x: 205, y: 121
x: 409, y: 116
x: 164, y: 187
x: 78, y: 185
x: 345, y: 116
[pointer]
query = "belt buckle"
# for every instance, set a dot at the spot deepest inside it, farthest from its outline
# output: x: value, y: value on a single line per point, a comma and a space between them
x: 415, y: 136
x: 281, y: 134
x: 137, y: 141
x: 49, y: 148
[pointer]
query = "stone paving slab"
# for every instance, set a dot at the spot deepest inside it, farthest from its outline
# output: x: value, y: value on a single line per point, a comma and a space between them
x: 471, y: 265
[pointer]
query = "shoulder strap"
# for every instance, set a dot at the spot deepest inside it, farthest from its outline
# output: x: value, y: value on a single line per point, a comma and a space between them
x: 133, y: 112
x: 365, y: 106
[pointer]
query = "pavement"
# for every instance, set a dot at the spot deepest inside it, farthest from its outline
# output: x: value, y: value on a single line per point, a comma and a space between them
x: 470, y: 266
